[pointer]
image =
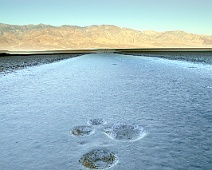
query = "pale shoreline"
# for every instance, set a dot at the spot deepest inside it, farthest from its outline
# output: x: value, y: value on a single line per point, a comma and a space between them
x: 14, y: 60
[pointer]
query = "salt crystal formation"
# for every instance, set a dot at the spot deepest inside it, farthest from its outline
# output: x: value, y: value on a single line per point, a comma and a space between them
x: 99, y: 159
x: 82, y: 131
x: 97, y: 122
x: 102, y: 158
x: 125, y: 132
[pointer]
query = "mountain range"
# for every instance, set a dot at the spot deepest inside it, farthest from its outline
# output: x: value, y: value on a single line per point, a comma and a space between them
x: 47, y: 37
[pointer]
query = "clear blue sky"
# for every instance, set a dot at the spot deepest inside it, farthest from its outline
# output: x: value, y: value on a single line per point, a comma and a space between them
x: 193, y: 16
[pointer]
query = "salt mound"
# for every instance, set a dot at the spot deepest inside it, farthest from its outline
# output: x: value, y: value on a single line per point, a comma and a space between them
x: 82, y: 131
x: 99, y: 159
x: 125, y: 132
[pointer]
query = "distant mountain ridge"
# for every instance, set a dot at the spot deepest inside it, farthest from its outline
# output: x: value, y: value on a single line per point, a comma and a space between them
x: 47, y: 37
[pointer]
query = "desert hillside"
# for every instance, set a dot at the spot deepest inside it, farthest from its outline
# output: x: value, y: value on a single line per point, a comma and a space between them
x: 47, y: 37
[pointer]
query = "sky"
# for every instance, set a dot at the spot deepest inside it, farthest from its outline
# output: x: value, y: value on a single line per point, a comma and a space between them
x: 194, y: 16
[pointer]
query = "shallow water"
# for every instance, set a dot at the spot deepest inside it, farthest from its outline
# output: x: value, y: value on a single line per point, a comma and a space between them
x: 171, y: 100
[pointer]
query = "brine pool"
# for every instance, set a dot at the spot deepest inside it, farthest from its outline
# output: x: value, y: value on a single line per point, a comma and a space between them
x: 107, y: 111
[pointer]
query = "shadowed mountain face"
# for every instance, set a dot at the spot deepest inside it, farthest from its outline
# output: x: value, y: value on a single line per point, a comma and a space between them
x: 47, y: 37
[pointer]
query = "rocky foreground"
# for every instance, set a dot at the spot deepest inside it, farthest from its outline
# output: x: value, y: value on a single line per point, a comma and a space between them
x: 15, y: 62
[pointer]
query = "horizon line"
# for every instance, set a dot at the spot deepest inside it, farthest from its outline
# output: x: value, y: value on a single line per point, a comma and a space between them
x: 104, y: 50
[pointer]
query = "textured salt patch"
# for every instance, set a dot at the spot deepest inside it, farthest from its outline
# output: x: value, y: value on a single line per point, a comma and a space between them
x: 82, y: 131
x: 125, y: 132
x: 97, y: 122
x: 99, y: 159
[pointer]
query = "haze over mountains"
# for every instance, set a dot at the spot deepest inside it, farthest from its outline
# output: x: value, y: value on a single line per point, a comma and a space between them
x: 47, y: 37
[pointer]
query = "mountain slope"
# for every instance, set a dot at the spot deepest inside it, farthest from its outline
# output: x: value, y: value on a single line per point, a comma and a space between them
x: 47, y: 37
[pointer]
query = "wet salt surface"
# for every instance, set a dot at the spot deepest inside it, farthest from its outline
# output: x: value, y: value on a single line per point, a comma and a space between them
x: 172, y: 100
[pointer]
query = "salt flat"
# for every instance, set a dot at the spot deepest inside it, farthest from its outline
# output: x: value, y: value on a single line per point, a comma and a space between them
x: 171, y: 100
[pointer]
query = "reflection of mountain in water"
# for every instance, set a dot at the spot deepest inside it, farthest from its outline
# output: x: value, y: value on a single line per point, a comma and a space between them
x: 46, y: 37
